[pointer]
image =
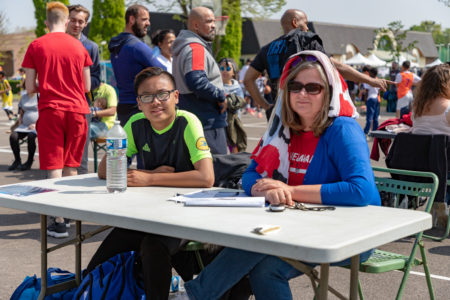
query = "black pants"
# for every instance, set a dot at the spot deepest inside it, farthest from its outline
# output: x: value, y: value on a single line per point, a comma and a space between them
x: 14, y: 139
x: 158, y: 255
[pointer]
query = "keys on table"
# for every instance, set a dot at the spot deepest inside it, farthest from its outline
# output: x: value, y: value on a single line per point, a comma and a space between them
x: 301, y: 206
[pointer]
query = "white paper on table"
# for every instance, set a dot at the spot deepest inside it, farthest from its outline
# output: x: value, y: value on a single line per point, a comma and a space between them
x: 226, y: 201
x: 219, y: 198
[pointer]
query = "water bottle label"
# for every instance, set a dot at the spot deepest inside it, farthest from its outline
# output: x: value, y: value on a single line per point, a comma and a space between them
x: 175, y: 284
x: 112, y: 144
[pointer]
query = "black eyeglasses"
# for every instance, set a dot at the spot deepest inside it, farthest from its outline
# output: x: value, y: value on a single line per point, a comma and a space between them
x: 311, y: 88
x: 222, y: 68
x: 162, y: 96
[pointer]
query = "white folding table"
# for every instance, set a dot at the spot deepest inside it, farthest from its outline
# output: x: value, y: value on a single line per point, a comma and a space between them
x: 321, y: 237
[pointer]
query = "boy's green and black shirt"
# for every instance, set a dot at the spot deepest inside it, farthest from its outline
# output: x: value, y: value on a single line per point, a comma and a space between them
x: 179, y: 145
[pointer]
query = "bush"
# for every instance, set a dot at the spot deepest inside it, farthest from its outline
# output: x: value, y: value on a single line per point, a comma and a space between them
x: 15, y: 85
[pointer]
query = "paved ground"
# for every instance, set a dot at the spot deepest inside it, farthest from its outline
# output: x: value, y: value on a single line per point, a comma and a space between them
x: 19, y: 241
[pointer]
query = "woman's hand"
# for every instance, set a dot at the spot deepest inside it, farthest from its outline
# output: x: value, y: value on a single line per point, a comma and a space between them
x: 31, y: 126
x: 279, y: 196
x: 265, y: 184
x: 274, y: 191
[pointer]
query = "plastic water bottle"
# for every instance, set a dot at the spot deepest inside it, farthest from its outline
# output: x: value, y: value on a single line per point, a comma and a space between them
x: 116, y: 159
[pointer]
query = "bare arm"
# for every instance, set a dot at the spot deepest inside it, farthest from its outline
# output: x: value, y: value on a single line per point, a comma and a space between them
x: 351, y: 74
x: 250, y: 85
x: 30, y: 81
x: 278, y: 192
x: 110, y: 111
x: 202, y: 176
x: 101, y: 171
x: 86, y: 78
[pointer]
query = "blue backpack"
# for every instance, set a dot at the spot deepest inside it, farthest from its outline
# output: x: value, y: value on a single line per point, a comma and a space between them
x: 30, y: 288
x: 113, y: 279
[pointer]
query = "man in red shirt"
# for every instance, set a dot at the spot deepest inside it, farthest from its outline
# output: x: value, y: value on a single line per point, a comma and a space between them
x: 61, y: 64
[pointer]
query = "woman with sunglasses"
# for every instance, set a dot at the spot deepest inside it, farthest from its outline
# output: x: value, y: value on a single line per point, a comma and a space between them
x: 236, y: 135
x: 313, y: 152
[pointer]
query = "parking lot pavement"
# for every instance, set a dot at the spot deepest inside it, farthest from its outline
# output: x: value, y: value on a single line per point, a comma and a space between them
x: 20, y: 250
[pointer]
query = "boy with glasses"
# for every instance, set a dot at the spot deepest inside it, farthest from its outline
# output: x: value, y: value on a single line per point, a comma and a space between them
x: 173, y: 152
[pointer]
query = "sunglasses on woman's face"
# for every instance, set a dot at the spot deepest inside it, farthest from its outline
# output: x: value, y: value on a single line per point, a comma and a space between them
x: 310, y: 88
x: 223, y: 68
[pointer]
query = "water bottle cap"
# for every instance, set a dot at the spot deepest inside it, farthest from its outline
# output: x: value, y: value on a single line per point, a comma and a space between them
x: 116, y: 122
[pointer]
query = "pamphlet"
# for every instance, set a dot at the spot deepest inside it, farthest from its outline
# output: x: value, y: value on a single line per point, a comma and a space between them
x: 228, y: 198
x: 19, y: 190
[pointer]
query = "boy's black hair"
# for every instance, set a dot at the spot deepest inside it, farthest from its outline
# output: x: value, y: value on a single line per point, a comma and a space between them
x: 149, y: 73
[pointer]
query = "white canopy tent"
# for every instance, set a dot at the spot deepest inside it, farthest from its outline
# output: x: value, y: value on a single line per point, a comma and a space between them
x: 375, y: 61
x: 358, y: 60
x: 434, y: 63
x: 402, y: 59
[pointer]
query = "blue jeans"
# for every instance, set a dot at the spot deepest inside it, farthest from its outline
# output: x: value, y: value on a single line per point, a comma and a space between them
x: 373, y: 111
x: 269, y: 275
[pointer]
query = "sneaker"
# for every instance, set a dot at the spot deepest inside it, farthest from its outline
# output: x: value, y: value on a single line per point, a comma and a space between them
x: 57, y: 230
x: 259, y: 115
x: 67, y: 222
x: 14, y: 165
x: 251, y: 111
x: 25, y: 166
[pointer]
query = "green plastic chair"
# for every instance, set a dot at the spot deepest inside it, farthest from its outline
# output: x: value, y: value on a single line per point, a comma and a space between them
x: 196, y: 247
x: 383, y: 261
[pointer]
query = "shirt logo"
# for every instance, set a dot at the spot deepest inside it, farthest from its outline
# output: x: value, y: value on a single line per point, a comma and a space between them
x: 201, y: 144
x: 146, y: 148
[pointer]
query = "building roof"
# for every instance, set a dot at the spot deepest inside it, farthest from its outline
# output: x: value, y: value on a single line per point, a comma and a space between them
x: 335, y: 37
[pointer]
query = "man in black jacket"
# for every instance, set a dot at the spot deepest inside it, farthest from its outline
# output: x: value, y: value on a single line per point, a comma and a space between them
x: 274, y: 55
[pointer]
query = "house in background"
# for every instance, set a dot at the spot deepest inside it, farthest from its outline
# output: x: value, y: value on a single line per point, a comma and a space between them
x: 12, y: 50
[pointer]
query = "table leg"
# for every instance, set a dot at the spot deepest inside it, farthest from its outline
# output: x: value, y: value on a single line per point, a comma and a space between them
x: 323, y: 283
x: 354, y: 272
x: 78, y: 252
x: 43, y: 257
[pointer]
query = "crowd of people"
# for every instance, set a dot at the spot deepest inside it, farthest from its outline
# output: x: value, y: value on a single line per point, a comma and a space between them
x: 179, y: 107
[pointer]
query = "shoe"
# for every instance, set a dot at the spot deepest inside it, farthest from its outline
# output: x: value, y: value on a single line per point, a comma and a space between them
x: 259, y: 115
x: 67, y: 222
x: 57, y: 230
x: 14, y: 165
x: 250, y: 111
x: 25, y: 166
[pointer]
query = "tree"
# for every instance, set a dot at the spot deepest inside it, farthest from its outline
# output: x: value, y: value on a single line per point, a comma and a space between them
x: 254, y: 8
x: 108, y: 20
x: 435, y: 29
x: 3, y: 22
x: 394, y: 31
x: 230, y: 44
x: 40, y: 12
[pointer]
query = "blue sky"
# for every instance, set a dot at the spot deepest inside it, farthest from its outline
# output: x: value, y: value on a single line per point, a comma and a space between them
x: 20, y: 13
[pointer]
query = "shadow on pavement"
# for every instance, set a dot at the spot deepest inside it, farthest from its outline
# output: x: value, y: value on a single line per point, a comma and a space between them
x: 21, y: 218
x: 440, y: 250
x: 34, y: 234
x: 29, y: 175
